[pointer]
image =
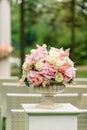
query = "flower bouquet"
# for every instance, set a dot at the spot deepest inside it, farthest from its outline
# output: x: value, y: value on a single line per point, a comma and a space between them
x: 48, y: 70
x: 42, y: 66
x: 5, y: 51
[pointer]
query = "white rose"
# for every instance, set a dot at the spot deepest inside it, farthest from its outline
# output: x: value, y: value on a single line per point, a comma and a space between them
x: 59, y: 77
x: 68, y: 61
x: 38, y: 65
x: 27, y: 66
x: 52, y: 59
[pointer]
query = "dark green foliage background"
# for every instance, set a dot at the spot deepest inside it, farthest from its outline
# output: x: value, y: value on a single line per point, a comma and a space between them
x: 49, y: 22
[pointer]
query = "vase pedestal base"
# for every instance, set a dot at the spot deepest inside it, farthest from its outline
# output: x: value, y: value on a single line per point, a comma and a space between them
x: 49, y: 105
x: 48, y: 95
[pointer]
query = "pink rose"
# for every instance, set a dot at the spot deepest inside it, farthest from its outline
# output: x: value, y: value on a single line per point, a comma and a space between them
x: 68, y: 72
x: 63, y: 69
x: 34, y: 78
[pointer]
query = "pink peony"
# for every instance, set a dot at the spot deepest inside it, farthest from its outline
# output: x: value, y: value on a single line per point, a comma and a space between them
x: 30, y: 59
x: 37, y: 54
x: 47, y: 71
x: 69, y: 73
x: 40, y: 53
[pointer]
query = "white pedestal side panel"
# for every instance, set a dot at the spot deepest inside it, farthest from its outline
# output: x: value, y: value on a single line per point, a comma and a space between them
x: 52, y: 123
x: 62, y: 118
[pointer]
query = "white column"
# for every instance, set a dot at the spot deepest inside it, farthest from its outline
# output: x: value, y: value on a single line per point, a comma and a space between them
x: 5, y: 22
x: 61, y: 118
x: 5, y: 35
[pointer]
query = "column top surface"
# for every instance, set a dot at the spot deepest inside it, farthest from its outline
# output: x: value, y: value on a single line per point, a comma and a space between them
x: 65, y: 108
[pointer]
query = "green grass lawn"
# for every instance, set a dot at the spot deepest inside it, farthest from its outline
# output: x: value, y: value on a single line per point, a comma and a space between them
x: 81, y: 74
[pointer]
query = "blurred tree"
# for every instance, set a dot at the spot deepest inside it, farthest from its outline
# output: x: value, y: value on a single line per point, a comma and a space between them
x: 56, y: 24
x: 15, y: 23
x: 73, y: 29
x: 22, y: 34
